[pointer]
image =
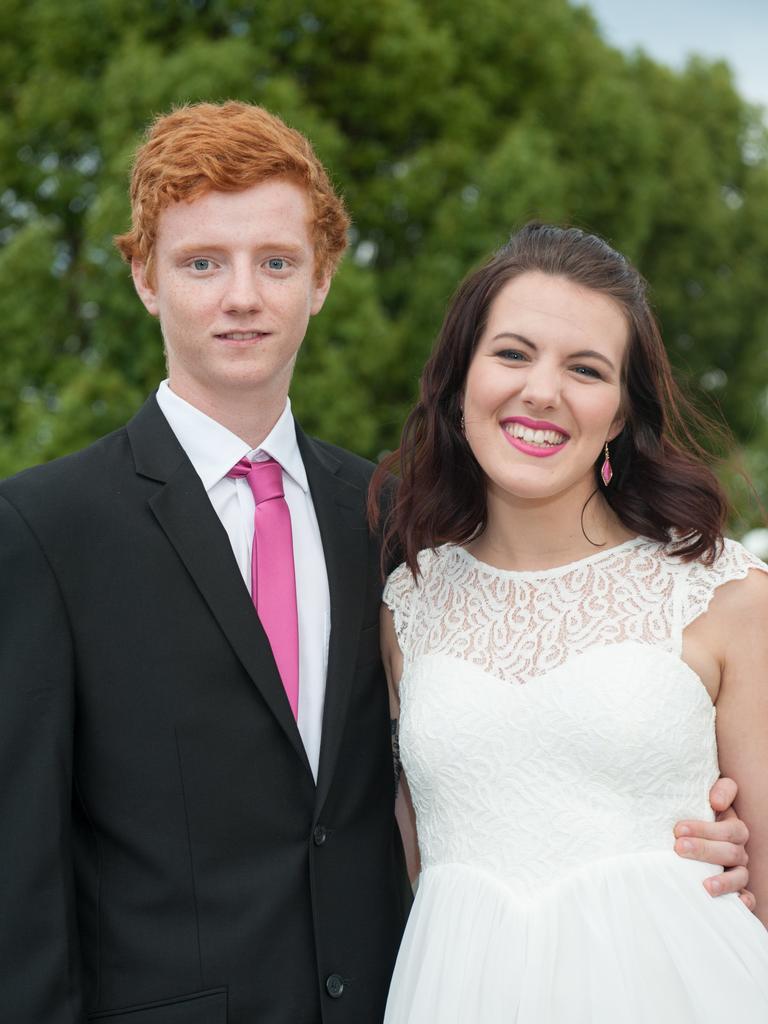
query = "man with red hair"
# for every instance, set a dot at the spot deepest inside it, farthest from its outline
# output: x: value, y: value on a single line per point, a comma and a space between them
x: 197, y: 812
x: 185, y: 849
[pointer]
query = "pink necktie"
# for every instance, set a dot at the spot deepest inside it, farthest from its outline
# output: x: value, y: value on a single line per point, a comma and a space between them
x: 273, y: 580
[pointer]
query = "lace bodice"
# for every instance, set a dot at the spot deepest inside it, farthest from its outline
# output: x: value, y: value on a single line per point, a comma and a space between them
x: 518, y: 625
x: 610, y: 741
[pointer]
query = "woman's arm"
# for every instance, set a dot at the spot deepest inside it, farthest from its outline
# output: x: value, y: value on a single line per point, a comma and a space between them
x: 739, y: 613
x: 392, y: 657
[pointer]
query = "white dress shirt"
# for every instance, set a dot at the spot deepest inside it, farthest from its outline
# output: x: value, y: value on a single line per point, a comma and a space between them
x: 213, y: 450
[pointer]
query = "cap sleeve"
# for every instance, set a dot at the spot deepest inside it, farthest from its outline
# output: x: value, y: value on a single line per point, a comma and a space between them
x: 398, y: 597
x: 733, y: 563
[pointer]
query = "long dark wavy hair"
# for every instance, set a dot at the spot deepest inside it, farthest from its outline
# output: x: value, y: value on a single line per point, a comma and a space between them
x: 662, y: 488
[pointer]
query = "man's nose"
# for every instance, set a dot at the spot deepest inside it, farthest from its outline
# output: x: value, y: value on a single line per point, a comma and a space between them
x: 243, y: 293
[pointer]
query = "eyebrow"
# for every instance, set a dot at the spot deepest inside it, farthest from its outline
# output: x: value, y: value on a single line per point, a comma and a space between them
x: 184, y: 249
x: 587, y: 353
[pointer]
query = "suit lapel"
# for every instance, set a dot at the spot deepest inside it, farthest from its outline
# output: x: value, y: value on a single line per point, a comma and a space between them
x: 340, y: 510
x: 184, y: 511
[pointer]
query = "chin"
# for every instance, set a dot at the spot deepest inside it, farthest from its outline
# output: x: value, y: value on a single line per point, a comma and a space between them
x: 243, y: 373
x: 523, y: 492
x: 540, y: 491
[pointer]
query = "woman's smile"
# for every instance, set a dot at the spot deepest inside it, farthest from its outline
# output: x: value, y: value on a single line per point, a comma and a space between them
x: 546, y: 375
x: 534, y: 437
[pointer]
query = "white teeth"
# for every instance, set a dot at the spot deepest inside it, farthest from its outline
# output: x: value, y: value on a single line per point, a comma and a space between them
x: 241, y: 335
x: 542, y: 437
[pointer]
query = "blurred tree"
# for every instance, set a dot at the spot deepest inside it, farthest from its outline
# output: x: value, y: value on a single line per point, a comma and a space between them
x: 445, y: 124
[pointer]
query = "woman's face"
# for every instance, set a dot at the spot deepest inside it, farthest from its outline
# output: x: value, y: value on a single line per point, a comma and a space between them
x: 543, y: 391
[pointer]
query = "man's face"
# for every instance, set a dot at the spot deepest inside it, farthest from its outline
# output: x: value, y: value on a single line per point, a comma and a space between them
x: 234, y: 286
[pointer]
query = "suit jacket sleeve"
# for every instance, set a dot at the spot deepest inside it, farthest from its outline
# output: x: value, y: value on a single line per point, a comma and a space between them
x: 39, y: 957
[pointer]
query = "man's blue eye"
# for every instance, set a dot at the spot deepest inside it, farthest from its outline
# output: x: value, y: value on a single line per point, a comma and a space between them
x: 201, y: 264
x: 276, y: 263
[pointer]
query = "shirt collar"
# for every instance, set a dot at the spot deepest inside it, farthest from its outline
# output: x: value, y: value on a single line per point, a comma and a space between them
x: 281, y: 445
x: 213, y: 449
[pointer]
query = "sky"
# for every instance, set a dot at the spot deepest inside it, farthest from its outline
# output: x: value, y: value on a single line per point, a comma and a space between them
x: 669, y: 30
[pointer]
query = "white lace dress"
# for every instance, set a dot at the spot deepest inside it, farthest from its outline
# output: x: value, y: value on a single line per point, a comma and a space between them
x: 552, y: 736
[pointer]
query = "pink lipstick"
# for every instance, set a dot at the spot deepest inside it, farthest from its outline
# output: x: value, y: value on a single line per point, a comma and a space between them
x: 551, y: 439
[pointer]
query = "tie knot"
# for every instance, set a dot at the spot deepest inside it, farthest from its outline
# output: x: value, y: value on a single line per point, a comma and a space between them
x: 264, y: 478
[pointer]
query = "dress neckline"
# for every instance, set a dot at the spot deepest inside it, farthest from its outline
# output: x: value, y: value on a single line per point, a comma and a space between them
x: 558, y: 570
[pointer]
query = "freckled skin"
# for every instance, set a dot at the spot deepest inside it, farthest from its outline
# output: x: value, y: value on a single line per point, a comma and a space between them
x: 234, y: 261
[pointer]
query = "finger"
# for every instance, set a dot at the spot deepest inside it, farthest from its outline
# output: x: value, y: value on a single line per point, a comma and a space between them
x: 748, y: 899
x: 727, y: 813
x: 722, y: 794
x: 730, y: 881
x: 728, y: 855
x: 729, y: 829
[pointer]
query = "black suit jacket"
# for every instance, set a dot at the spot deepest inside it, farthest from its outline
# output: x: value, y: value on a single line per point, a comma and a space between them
x: 166, y: 857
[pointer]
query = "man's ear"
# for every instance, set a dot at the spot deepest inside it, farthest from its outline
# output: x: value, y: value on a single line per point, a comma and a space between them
x: 321, y: 287
x: 144, y: 287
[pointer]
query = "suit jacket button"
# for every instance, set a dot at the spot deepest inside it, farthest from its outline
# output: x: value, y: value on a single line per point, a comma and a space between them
x: 335, y: 985
x: 319, y: 836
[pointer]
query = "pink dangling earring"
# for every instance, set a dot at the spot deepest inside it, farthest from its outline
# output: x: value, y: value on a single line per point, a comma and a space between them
x: 606, y: 472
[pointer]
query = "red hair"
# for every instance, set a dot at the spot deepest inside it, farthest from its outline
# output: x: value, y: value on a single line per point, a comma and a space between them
x: 228, y: 147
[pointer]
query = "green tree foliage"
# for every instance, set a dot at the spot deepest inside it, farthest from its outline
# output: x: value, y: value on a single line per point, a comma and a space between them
x: 445, y: 124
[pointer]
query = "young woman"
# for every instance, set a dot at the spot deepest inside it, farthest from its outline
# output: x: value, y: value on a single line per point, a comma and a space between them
x: 567, y: 620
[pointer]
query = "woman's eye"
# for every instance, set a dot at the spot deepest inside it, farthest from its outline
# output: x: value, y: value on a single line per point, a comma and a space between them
x: 276, y: 263
x: 201, y: 263
x: 512, y: 355
x: 587, y: 371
